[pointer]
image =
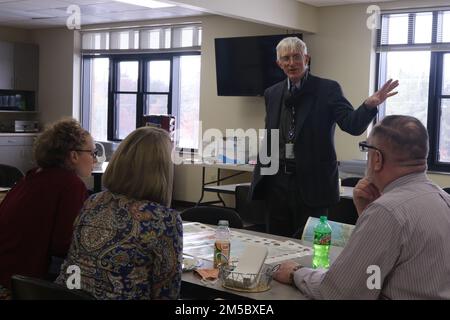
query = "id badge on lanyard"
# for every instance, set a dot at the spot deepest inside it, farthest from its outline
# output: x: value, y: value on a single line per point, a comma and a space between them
x: 289, y: 147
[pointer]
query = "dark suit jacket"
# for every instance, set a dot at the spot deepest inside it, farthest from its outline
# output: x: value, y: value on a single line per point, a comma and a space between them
x: 320, y: 104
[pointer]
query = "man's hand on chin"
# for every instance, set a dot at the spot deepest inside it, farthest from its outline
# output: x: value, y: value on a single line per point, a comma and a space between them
x: 364, y: 193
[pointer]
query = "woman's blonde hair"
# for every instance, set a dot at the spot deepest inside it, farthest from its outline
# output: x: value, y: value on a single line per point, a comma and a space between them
x: 141, y: 168
x: 53, y: 146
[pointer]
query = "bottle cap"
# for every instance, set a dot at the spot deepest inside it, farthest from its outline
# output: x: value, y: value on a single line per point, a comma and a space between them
x: 223, y: 223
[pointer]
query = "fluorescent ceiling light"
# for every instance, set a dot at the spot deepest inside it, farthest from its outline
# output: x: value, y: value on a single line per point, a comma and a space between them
x: 148, y: 3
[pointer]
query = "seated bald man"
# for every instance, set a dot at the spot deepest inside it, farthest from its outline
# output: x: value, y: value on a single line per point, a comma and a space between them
x: 400, y: 247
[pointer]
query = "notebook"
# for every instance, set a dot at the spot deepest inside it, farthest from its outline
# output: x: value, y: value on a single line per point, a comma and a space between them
x: 252, y: 259
x: 246, y: 274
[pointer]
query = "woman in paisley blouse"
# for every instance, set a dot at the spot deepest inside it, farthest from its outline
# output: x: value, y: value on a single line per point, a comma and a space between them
x: 127, y: 242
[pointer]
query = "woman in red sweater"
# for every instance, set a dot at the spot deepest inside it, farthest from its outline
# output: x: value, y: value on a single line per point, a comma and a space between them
x: 37, y: 215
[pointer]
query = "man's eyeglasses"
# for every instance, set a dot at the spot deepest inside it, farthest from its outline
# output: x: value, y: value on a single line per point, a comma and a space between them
x: 364, y: 147
x: 94, y: 153
x: 295, y: 58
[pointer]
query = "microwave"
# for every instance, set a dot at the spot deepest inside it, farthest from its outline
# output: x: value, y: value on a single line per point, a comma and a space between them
x: 25, y: 126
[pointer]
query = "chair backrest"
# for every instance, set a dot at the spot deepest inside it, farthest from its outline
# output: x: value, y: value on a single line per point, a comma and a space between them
x: 344, y: 212
x: 252, y: 211
x: 28, y: 288
x: 350, y: 181
x: 212, y: 215
x: 9, y: 175
x: 447, y: 190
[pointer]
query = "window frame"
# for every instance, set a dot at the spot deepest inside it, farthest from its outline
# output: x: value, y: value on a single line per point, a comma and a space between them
x: 143, y: 59
x: 434, y: 110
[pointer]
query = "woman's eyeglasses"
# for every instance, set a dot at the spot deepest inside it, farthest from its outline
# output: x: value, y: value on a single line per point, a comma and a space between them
x: 94, y: 153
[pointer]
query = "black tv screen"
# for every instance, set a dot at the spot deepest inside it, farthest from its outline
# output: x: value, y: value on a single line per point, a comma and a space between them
x: 246, y: 66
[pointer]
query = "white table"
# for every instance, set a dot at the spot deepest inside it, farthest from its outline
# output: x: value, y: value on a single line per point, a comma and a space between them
x: 215, y: 185
x: 192, y: 287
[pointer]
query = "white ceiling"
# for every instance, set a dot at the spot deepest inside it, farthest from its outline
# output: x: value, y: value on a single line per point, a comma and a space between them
x: 323, y: 3
x: 51, y: 13
x: 33, y: 14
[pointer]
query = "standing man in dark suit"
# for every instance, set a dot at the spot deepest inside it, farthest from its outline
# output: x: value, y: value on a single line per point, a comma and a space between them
x: 306, y: 109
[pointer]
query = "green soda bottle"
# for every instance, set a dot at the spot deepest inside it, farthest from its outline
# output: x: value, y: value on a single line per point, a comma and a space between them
x: 322, y: 242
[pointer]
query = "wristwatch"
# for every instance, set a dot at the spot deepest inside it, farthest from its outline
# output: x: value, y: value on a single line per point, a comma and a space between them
x: 291, y: 275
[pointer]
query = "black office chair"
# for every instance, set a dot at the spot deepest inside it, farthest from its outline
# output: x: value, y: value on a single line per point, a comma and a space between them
x: 447, y: 190
x: 9, y: 176
x: 350, y: 181
x: 212, y: 215
x: 344, y: 211
x: 252, y: 212
x: 28, y: 288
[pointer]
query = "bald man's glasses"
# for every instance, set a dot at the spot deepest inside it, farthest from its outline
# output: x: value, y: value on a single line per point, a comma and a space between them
x: 364, y: 147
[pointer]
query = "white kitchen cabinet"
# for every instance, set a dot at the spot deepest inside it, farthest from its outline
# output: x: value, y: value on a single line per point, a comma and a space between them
x: 17, y: 150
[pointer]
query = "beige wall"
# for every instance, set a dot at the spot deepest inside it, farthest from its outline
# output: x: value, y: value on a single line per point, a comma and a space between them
x: 342, y: 50
x: 286, y: 14
x: 15, y: 35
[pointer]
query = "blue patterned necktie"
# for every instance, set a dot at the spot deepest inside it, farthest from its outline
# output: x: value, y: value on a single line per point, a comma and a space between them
x: 293, y: 90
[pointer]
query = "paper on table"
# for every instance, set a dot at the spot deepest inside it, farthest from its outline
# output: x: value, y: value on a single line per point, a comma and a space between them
x: 198, y: 241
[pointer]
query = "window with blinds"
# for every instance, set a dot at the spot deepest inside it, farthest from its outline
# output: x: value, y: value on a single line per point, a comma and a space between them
x: 129, y: 73
x: 414, y: 47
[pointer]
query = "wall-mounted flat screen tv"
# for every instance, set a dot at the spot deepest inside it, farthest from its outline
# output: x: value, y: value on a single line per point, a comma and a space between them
x: 246, y: 66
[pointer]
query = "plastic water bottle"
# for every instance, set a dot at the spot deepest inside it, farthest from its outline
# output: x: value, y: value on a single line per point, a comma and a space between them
x: 222, y: 244
x: 322, y: 242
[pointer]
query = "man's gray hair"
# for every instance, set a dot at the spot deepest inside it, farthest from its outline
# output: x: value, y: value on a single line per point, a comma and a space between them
x: 291, y: 44
x: 405, y: 136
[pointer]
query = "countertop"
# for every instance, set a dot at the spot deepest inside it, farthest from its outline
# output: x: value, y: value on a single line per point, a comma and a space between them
x: 18, y: 133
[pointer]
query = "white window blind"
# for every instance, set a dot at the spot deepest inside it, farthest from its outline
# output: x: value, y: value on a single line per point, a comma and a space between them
x: 154, y: 38
x: 427, y: 30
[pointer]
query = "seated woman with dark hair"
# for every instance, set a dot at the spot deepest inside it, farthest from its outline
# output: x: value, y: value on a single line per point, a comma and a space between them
x: 37, y: 214
x: 127, y: 242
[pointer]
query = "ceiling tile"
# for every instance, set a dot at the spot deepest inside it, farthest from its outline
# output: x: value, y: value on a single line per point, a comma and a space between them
x: 108, y: 7
x: 33, y: 5
x: 50, y: 13
x: 85, y: 2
